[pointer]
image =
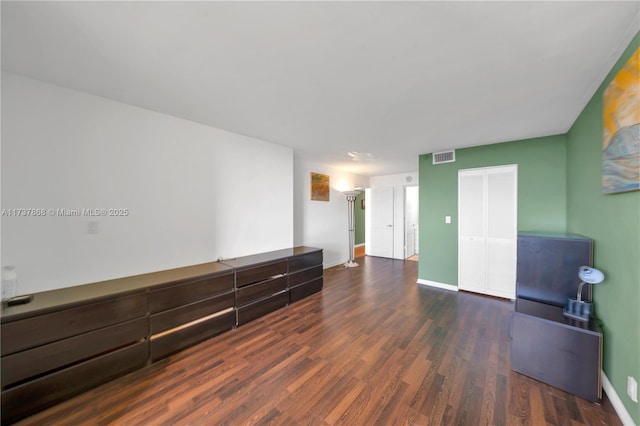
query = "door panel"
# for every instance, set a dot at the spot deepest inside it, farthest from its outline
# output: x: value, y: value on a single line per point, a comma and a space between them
x: 471, y: 255
x: 501, y: 202
x: 380, y: 241
x: 471, y: 204
x: 501, y: 267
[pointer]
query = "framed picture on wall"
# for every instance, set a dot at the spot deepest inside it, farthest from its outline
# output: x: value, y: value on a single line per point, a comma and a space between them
x: 621, y: 130
x: 319, y: 187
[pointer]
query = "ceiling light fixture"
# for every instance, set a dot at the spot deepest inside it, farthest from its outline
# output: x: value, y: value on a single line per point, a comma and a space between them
x: 360, y: 156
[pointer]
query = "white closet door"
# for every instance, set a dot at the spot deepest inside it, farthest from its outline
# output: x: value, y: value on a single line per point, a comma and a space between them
x: 487, y: 230
x: 471, y: 239
x: 501, y: 240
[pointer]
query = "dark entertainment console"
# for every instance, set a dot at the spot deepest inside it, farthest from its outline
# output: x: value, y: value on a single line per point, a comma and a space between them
x: 545, y: 344
x: 67, y: 341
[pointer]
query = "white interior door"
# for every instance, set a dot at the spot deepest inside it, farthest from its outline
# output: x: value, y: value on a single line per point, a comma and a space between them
x: 487, y: 230
x: 380, y: 239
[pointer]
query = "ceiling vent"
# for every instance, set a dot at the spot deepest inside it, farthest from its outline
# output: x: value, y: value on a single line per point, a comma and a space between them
x: 444, y: 157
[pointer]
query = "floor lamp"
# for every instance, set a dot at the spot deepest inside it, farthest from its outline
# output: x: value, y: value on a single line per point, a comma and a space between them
x: 351, y: 198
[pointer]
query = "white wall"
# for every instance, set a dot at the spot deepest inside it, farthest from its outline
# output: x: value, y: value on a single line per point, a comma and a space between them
x: 194, y: 193
x: 398, y: 182
x: 323, y: 224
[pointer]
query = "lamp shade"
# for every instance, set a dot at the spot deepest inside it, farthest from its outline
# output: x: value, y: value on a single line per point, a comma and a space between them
x: 590, y: 275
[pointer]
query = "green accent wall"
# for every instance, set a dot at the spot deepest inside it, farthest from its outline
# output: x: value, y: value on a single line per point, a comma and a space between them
x: 359, y: 220
x: 613, y: 221
x: 541, y: 197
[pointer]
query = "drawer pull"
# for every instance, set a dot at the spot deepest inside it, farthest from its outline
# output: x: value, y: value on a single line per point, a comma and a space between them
x: 189, y: 324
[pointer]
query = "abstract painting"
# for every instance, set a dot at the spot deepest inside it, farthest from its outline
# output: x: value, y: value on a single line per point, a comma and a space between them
x: 319, y: 187
x: 621, y: 119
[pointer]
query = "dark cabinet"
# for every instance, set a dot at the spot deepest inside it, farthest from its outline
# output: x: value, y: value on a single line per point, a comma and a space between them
x: 546, y: 345
x: 69, y: 340
x: 264, y: 281
x: 560, y: 351
x: 46, y: 358
x: 305, y: 276
x: 188, y: 312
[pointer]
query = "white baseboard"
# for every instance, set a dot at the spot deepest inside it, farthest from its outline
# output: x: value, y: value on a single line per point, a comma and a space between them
x: 437, y: 285
x: 621, y: 410
x: 331, y: 265
x: 359, y: 245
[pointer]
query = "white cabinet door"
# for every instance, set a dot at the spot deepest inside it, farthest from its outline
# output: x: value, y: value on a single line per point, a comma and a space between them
x: 487, y: 230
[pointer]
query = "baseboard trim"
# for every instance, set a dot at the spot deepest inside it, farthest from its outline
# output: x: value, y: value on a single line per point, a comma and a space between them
x: 621, y: 410
x: 437, y: 285
x: 331, y: 265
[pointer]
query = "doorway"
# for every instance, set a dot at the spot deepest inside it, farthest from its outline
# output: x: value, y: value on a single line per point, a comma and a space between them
x: 392, y: 222
x: 411, y: 228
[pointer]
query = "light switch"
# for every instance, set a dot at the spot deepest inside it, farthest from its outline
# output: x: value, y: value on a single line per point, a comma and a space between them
x: 447, y: 219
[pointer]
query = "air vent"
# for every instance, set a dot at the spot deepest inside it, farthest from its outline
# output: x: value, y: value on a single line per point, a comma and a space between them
x: 444, y: 157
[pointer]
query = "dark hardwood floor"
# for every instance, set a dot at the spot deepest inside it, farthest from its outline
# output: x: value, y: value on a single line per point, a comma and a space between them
x: 373, y: 348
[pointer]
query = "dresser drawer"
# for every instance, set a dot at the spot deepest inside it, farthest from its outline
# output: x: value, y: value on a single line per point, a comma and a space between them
x: 307, y: 275
x: 165, y: 344
x: 32, y: 362
x: 185, y: 314
x: 28, y: 398
x: 253, y: 292
x: 38, y: 330
x: 260, y: 273
x: 304, y: 290
x: 252, y: 311
x: 189, y: 292
x: 305, y: 261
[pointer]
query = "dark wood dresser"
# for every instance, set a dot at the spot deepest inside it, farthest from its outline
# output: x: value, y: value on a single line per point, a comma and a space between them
x: 69, y: 340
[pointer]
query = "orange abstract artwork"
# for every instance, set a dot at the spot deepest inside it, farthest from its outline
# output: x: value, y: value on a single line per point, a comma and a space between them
x: 621, y: 118
x: 319, y: 187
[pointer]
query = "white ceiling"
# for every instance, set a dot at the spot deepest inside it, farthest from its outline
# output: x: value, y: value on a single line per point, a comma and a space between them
x: 395, y: 79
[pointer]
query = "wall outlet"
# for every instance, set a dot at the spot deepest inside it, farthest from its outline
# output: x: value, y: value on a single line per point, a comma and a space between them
x: 447, y: 219
x: 92, y: 227
x: 632, y: 388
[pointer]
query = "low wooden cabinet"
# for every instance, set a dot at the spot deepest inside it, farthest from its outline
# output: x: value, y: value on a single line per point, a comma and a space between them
x: 263, y: 282
x: 260, y: 288
x: 69, y: 340
x: 560, y: 351
x: 188, y: 312
x: 50, y: 357
x: 305, y: 276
